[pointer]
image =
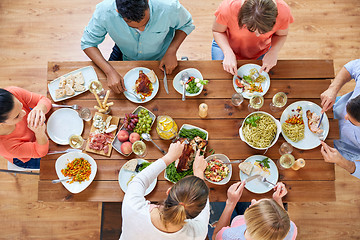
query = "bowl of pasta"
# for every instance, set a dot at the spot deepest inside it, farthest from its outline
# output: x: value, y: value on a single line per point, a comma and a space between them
x: 260, y: 130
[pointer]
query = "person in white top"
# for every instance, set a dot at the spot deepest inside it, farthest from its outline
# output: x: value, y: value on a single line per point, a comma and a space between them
x: 183, y: 215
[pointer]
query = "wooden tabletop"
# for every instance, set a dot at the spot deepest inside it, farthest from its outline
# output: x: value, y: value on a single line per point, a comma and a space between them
x: 300, y: 79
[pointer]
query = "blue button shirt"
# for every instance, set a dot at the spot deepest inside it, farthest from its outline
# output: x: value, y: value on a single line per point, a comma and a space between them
x: 349, y: 143
x: 166, y: 16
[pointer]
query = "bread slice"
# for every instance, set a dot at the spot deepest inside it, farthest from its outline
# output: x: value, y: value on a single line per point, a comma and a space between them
x: 246, y: 167
x: 79, y: 78
x: 130, y: 165
x: 70, y: 80
x: 152, y: 76
x: 79, y: 87
x: 62, y: 82
x: 59, y: 93
x: 69, y: 91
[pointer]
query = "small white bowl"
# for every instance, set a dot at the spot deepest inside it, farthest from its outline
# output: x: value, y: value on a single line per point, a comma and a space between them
x: 192, y: 73
x: 224, y: 159
x: 278, y: 130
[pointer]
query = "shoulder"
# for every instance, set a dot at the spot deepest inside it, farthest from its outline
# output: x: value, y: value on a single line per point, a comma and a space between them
x: 161, y: 5
x: 17, y: 92
x: 106, y: 7
x: 283, y: 9
x: 230, y: 6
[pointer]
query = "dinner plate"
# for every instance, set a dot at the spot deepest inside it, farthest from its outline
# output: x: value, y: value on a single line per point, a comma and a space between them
x: 245, y: 70
x: 193, y: 72
x: 125, y: 176
x: 62, y: 124
x: 89, y: 76
x: 311, y: 140
x: 257, y: 186
x: 224, y: 159
x: 129, y: 81
x: 66, y: 158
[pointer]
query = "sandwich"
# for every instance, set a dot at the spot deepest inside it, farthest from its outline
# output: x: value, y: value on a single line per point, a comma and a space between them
x: 79, y: 78
x: 79, y: 87
x: 246, y: 167
x: 62, y: 82
x: 59, y: 93
x: 70, y: 80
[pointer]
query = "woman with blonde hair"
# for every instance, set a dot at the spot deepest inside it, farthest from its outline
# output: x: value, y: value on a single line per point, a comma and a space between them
x: 265, y: 219
x: 184, y: 214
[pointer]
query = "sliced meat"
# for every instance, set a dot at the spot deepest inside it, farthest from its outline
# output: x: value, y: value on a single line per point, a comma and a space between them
x: 313, y: 122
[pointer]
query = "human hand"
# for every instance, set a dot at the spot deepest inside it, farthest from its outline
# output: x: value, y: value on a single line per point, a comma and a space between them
x: 174, y: 152
x: 331, y: 155
x: 199, y: 165
x: 280, y: 192
x: 230, y: 63
x: 328, y: 98
x: 234, y: 192
x: 169, y: 61
x: 38, y: 130
x: 269, y: 61
x: 36, y: 117
x: 115, y: 81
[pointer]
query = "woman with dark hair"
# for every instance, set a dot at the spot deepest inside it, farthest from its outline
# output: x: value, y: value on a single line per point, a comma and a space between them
x: 346, y: 153
x: 184, y: 214
x: 250, y: 29
x: 23, y: 140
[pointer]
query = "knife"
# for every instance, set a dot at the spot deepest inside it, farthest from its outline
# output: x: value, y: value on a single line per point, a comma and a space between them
x: 322, y: 116
x: 65, y: 151
x: 165, y: 81
x: 252, y: 178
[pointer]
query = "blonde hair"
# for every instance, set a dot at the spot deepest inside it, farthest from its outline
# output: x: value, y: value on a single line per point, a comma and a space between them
x: 258, y: 15
x: 186, y: 199
x: 267, y: 220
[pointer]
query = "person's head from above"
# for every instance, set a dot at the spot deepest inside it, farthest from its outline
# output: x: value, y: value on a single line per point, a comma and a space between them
x: 11, y: 111
x: 266, y: 220
x: 258, y: 16
x: 185, y: 200
x: 353, y: 111
x: 135, y: 13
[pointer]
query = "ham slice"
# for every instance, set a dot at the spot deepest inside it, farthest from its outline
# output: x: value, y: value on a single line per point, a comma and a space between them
x: 100, y: 141
x: 313, y: 122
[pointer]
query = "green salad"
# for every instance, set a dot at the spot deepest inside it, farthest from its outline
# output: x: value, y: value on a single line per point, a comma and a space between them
x: 194, y: 85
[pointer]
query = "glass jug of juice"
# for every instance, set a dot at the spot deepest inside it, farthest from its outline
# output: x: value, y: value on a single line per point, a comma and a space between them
x: 166, y: 127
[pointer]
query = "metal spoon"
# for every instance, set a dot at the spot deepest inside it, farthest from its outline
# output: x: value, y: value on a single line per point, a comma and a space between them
x: 184, y: 78
x: 75, y: 106
x: 60, y: 180
x: 147, y: 137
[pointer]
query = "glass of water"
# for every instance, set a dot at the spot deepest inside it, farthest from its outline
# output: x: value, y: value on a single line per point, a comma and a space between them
x: 278, y: 101
x: 255, y: 103
x: 237, y: 99
x: 285, y: 148
x: 85, y: 114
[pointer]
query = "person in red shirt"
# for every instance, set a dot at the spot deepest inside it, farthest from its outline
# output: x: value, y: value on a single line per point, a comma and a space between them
x: 250, y: 29
x: 23, y: 140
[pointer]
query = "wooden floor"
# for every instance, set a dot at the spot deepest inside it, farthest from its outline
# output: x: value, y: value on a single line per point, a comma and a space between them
x: 34, y: 32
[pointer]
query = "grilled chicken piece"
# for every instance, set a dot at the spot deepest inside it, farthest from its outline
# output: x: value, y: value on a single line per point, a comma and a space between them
x: 142, y: 83
x: 313, y: 122
x: 198, y: 143
x: 185, y: 160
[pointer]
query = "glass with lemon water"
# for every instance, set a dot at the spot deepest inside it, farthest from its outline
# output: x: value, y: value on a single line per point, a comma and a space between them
x: 166, y: 127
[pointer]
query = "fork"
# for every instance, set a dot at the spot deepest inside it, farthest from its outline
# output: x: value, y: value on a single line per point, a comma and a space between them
x: 136, y: 96
x: 75, y: 106
x: 263, y: 179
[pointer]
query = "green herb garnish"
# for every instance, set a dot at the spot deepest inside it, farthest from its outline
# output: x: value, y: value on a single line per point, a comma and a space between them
x: 264, y: 163
x: 248, y: 79
x: 252, y: 120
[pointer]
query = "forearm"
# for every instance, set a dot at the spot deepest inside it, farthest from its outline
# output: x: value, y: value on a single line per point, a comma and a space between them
x: 42, y: 107
x: 341, y: 78
x: 223, y: 42
x: 41, y: 138
x: 347, y: 165
x: 225, y: 218
x: 277, y: 42
x: 177, y: 41
x: 95, y: 55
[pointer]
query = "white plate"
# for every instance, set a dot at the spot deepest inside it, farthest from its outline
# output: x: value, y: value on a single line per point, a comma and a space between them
x: 278, y: 125
x: 256, y: 186
x: 116, y: 143
x: 245, y: 70
x: 66, y: 158
x: 89, y: 76
x: 311, y: 140
x: 224, y: 159
x: 188, y: 126
x: 125, y: 175
x: 62, y: 124
x: 129, y: 81
x: 192, y: 73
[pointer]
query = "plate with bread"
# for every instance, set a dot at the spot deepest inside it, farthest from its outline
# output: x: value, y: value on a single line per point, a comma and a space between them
x: 72, y: 84
x: 259, y: 165
x: 299, y: 125
x: 142, y: 82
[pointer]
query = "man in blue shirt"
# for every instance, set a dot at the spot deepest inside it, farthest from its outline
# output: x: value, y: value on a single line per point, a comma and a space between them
x: 346, y: 153
x: 141, y: 30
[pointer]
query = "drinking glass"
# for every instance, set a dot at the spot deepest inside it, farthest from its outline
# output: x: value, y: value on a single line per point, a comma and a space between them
x: 85, y: 114
x: 285, y: 148
x: 279, y: 100
x: 96, y: 88
x: 139, y: 148
x: 76, y: 141
x: 255, y: 103
x: 237, y: 99
x: 286, y: 161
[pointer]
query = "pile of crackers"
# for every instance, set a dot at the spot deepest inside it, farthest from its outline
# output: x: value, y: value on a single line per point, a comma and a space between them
x: 70, y: 84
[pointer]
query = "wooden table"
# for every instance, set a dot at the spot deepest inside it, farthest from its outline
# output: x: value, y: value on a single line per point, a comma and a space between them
x: 300, y: 79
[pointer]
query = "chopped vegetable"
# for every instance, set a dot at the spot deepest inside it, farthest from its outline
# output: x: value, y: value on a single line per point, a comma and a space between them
x: 78, y: 169
x: 216, y: 170
x: 193, y: 85
x: 295, y: 120
x: 143, y: 165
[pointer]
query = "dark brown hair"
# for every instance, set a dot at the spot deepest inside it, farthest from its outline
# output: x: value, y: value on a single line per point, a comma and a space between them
x: 6, y: 104
x: 186, y: 199
x: 353, y: 108
x: 258, y: 15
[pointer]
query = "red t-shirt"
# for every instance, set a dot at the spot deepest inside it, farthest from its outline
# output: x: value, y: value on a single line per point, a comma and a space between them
x: 245, y: 44
x: 21, y: 143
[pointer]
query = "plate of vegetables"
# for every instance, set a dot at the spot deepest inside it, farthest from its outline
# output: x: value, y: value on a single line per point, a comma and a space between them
x: 249, y: 81
x: 194, y: 85
x: 217, y: 171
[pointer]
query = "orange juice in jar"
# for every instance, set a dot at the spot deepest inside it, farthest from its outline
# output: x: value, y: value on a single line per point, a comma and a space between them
x: 166, y: 127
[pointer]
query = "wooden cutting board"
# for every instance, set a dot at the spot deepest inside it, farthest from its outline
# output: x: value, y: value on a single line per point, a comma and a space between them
x: 114, y: 121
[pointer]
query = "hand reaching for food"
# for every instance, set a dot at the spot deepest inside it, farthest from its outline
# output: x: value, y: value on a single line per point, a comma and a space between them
x: 234, y: 192
x: 230, y: 63
x: 173, y: 153
x: 169, y: 62
x: 199, y: 165
x: 328, y: 99
x: 115, y: 81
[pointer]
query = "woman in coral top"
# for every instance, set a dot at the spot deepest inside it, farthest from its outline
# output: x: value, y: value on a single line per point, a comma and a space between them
x: 23, y: 140
x: 250, y: 29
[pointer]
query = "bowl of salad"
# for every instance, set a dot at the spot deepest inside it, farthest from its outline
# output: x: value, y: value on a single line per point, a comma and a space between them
x: 193, y: 86
x: 216, y: 171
